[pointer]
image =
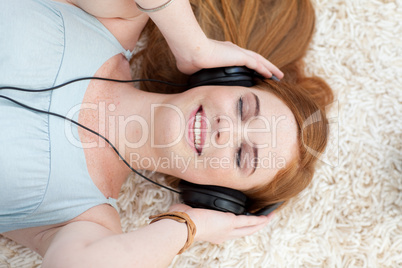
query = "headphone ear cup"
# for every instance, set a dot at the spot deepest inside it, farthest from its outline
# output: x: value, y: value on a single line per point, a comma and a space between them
x: 213, y: 197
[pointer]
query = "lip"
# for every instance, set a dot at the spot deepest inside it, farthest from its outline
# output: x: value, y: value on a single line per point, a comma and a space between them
x: 190, y: 132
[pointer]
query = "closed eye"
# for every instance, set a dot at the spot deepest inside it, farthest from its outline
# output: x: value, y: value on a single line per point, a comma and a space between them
x: 240, y: 107
x: 252, y: 104
x: 238, y: 157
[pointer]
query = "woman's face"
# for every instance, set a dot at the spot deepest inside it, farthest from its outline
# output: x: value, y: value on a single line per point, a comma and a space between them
x: 229, y: 136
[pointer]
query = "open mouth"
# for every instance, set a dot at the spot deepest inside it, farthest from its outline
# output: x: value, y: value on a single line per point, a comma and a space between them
x: 197, y: 130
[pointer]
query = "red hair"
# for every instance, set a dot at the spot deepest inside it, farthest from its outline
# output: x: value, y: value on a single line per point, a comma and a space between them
x: 281, y: 31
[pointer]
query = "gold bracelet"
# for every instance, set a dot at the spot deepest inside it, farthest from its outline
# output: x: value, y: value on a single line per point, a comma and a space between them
x: 182, y: 218
x: 154, y: 9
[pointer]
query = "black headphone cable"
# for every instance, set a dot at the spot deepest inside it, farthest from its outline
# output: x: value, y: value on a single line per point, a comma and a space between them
x: 94, y: 78
x: 84, y: 127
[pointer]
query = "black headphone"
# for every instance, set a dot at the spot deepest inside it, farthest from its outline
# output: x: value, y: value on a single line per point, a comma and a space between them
x: 216, y: 197
x: 194, y: 195
x: 219, y: 198
x: 226, y: 76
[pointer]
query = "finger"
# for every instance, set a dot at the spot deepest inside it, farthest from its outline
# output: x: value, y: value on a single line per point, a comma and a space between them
x: 267, y: 64
x: 244, y: 57
x: 275, y: 70
x: 252, y: 62
x: 265, y: 67
x: 246, y: 221
x: 248, y: 230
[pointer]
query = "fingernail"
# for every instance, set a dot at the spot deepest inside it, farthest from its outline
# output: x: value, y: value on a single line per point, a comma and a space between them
x: 273, y: 77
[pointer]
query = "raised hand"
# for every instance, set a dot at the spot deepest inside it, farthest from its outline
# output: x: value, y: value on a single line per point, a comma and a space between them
x: 217, y: 227
x: 214, y: 53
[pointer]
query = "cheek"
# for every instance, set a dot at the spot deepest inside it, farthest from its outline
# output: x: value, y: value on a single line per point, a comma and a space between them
x: 222, y: 105
x: 218, y: 97
x: 220, y: 159
x: 210, y: 170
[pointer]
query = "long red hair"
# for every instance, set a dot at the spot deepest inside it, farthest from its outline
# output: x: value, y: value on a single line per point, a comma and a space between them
x: 281, y: 31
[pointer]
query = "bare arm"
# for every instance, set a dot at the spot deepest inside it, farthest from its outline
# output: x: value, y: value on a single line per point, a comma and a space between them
x: 191, y: 47
x: 177, y: 23
x: 180, y: 28
x: 88, y: 244
x: 109, y: 9
x: 189, y: 44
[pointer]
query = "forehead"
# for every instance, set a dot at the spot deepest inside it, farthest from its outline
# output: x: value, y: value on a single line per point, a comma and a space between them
x: 277, y: 144
x: 277, y: 115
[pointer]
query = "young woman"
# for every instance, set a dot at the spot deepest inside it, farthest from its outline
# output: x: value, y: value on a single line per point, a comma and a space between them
x: 60, y: 181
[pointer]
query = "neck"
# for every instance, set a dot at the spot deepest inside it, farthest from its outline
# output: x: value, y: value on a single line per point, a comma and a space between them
x: 132, y: 123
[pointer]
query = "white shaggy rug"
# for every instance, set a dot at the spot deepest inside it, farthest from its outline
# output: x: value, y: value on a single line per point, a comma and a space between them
x: 351, y: 215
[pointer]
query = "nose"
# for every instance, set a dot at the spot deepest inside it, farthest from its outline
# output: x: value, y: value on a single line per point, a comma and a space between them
x: 226, y: 132
x: 229, y: 132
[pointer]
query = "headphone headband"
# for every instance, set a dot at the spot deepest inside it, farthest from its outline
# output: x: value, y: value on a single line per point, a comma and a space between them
x: 229, y: 76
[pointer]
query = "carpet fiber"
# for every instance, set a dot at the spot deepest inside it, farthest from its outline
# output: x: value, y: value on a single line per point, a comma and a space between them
x: 351, y: 214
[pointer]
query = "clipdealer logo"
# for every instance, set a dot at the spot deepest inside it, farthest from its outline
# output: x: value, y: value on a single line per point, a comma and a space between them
x: 330, y: 156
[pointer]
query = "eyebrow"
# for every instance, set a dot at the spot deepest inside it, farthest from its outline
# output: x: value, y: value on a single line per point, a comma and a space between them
x: 255, y: 150
x: 257, y: 105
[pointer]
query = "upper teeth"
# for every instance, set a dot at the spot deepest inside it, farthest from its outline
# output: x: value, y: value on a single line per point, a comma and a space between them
x: 197, y: 130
